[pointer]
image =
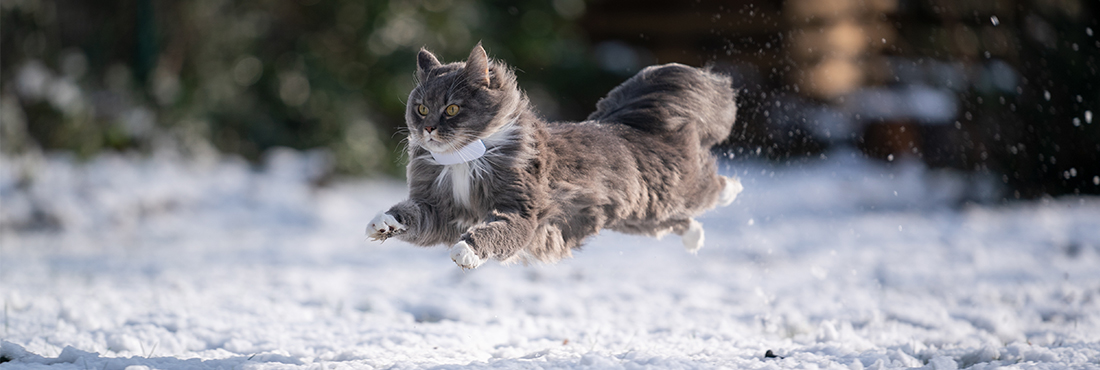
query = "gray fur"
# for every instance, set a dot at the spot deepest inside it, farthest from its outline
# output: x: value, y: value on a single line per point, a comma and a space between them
x: 640, y: 164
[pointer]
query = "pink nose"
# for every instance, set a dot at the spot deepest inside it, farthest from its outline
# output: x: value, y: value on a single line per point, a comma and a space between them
x: 429, y: 129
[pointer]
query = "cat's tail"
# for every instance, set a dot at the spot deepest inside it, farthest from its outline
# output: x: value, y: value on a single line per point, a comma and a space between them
x: 667, y: 97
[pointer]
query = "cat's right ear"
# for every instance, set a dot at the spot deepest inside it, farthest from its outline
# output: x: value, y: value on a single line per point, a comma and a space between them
x: 425, y: 62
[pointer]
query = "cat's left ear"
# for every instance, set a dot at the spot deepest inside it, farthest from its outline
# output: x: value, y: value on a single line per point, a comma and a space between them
x: 477, y: 66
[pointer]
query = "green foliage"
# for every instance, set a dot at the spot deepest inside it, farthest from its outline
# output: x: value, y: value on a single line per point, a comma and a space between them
x: 249, y: 75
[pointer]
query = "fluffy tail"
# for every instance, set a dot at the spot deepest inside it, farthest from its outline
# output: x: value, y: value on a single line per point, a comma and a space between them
x: 667, y: 97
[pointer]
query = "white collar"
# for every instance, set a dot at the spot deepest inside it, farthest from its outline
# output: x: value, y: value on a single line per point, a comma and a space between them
x: 464, y: 154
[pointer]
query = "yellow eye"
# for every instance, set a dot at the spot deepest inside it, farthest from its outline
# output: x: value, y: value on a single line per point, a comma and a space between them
x: 422, y: 110
x: 452, y: 110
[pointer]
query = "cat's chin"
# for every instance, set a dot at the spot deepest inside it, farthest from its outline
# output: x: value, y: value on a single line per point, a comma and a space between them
x: 436, y: 147
x: 440, y: 147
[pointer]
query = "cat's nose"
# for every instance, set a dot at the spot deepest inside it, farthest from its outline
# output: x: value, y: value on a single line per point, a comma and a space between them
x: 429, y: 129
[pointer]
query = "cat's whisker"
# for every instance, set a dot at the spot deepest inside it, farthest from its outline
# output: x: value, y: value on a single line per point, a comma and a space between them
x: 404, y: 145
x: 404, y: 131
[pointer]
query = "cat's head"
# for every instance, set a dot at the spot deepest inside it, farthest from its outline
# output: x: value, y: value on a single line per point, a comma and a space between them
x: 457, y: 103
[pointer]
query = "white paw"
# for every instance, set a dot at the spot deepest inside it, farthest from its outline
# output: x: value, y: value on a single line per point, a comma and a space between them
x: 693, y: 237
x: 729, y: 193
x: 384, y: 226
x: 464, y: 256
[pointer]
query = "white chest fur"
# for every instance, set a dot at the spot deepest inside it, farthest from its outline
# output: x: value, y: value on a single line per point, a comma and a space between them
x: 462, y: 181
x: 463, y: 177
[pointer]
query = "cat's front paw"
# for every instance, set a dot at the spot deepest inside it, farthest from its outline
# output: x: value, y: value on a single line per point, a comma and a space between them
x: 464, y: 256
x: 384, y: 226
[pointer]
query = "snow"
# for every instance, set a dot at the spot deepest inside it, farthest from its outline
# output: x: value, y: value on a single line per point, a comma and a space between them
x: 839, y: 263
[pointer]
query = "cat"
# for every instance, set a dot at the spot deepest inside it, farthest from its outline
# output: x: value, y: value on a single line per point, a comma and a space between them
x: 489, y: 177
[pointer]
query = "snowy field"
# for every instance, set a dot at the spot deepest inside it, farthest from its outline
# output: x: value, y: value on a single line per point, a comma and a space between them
x: 839, y: 263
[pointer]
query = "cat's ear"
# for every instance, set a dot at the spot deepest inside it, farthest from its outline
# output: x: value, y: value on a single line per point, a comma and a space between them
x: 477, y: 66
x: 425, y: 61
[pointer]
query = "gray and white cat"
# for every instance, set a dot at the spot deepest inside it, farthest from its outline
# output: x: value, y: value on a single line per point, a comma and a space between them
x: 489, y: 177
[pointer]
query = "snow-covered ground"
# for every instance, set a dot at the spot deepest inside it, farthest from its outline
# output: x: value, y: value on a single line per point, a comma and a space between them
x: 158, y: 263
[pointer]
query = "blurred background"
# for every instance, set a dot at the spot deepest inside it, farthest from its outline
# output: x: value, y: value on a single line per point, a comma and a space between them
x: 186, y: 181
x: 1002, y: 89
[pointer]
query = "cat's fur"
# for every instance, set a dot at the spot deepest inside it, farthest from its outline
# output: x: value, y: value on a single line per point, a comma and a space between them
x: 640, y: 164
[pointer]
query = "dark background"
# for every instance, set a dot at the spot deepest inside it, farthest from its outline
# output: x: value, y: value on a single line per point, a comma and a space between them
x: 1006, y: 88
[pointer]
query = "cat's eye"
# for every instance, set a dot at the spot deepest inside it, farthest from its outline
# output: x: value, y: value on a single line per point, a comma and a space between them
x: 452, y: 110
x: 420, y: 108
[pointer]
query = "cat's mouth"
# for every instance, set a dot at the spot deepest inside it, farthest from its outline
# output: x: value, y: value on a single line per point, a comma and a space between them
x: 434, y: 144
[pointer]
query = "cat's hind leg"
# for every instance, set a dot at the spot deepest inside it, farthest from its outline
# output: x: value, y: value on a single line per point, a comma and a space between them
x: 729, y: 191
x: 689, y: 230
x: 692, y: 236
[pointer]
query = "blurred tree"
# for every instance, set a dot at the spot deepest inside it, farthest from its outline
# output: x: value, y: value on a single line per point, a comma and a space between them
x: 1007, y: 87
x: 1029, y: 82
x: 244, y: 76
x: 1046, y: 142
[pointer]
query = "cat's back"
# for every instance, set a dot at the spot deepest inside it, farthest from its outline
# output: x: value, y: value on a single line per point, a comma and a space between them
x: 612, y: 142
x: 578, y: 152
x: 608, y: 157
x: 587, y: 134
